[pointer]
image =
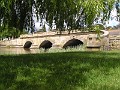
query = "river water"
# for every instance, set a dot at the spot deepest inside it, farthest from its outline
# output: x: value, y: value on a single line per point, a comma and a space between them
x: 18, y: 51
x: 4, y: 51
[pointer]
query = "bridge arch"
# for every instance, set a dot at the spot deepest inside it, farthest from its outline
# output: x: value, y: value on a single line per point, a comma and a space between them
x: 72, y: 43
x: 27, y: 44
x: 46, y: 44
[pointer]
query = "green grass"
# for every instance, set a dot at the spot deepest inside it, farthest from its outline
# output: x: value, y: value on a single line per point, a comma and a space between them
x: 61, y: 71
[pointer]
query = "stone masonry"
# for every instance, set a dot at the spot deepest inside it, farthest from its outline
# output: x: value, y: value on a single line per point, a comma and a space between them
x: 57, y: 40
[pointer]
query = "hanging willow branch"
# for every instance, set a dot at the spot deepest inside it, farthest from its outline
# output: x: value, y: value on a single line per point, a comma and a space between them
x: 75, y: 13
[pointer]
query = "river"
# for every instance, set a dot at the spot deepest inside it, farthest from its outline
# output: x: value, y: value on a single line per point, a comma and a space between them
x: 4, y: 51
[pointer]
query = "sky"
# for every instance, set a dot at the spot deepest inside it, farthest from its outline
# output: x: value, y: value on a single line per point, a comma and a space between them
x: 113, y: 19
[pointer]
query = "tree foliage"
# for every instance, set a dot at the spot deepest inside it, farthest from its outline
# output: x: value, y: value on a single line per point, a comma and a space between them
x: 118, y: 9
x: 76, y: 14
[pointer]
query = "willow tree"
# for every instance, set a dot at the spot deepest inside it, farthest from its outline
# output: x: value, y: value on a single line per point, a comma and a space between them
x: 75, y: 13
x: 4, y: 15
x: 16, y: 14
x: 118, y: 9
x: 5, y: 11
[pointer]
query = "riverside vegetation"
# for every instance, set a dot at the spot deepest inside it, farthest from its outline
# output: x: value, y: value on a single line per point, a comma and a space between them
x: 83, y: 70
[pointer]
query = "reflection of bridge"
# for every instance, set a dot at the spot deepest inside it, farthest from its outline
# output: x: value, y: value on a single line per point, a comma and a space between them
x: 52, y: 39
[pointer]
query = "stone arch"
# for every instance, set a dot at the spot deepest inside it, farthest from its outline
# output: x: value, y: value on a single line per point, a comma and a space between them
x: 46, y: 44
x: 27, y: 44
x: 72, y: 43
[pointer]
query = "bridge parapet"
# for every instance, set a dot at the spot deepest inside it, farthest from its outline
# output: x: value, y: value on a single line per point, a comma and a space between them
x: 52, y: 34
x: 37, y: 34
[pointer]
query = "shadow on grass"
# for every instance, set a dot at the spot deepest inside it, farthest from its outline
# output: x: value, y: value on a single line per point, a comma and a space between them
x: 53, y: 71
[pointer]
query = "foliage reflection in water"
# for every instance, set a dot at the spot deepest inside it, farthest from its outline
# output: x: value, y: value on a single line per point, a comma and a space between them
x: 18, y: 51
x: 41, y: 50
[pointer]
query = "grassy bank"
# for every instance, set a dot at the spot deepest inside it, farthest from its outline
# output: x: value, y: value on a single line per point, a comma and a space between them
x: 61, y: 71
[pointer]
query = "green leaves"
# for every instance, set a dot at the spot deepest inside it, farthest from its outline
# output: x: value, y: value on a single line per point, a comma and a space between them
x: 76, y: 14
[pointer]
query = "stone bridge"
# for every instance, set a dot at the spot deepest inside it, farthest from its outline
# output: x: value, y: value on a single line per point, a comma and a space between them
x: 53, y: 39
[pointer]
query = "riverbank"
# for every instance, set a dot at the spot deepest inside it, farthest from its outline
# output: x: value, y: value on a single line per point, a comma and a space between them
x: 61, y: 71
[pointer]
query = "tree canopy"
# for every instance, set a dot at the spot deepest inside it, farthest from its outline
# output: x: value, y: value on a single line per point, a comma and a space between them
x: 75, y: 13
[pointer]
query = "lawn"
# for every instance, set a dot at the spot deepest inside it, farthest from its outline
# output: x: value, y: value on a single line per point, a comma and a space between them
x: 61, y: 71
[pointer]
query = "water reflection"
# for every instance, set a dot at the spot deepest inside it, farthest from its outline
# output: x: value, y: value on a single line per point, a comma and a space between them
x: 33, y: 51
x: 18, y: 51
